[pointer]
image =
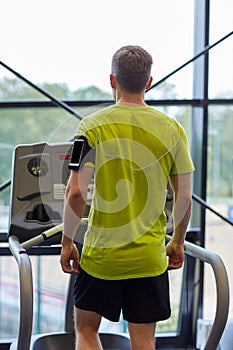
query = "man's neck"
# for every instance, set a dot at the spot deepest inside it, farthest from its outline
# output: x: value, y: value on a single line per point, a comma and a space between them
x: 131, y: 99
x: 131, y: 104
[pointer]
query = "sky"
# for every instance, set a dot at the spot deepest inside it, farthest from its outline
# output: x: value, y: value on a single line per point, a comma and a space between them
x: 72, y: 42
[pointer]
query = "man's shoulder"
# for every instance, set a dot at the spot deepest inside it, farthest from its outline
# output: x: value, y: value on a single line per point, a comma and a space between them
x: 97, y: 116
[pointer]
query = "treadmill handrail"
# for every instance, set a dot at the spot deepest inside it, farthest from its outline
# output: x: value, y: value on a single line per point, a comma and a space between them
x: 222, y: 290
x: 26, y: 293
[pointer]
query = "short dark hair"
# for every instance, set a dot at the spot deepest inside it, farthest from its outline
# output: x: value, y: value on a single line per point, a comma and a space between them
x: 131, y: 66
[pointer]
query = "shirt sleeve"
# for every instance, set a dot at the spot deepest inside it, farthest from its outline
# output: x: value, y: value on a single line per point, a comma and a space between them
x: 85, y: 132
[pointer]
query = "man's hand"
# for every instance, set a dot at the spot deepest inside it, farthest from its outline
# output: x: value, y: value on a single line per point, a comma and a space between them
x: 69, y: 253
x: 175, y: 253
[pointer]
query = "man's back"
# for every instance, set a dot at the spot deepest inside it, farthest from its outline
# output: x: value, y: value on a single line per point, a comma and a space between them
x: 136, y: 151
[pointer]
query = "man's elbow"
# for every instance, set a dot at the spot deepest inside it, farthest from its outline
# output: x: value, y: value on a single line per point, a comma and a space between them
x: 183, y: 201
x: 75, y: 194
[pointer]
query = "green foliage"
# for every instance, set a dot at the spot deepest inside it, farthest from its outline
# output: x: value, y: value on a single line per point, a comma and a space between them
x: 15, y: 89
x: 30, y: 125
x: 91, y: 93
x: 60, y: 91
x: 220, y: 152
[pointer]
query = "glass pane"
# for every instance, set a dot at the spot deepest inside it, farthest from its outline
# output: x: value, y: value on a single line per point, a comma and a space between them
x: 219, y: 236
x: 171, y: 325
x: 50, y: 290
x: 220, y: 145
x: 9, y: 297
x: 221, y: 57
x: 219, y: 239
x: 23, y: 126
x: 220, y: 19
x: 75, y: 46
x: 4, y: 210
x: 178, y: 86
x: 220, y: 71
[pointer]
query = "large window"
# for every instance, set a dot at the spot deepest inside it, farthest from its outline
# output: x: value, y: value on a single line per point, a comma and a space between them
x: 66, y: 49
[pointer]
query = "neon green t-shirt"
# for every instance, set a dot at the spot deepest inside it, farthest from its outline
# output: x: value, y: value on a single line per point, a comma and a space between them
x: 136, y: 150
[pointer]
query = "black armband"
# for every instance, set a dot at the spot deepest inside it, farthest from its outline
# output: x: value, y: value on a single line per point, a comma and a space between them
x: 80, y: 150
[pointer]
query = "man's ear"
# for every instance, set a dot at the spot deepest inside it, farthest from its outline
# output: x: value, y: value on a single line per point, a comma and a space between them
x: 148, y: 85
x: 112, y: 81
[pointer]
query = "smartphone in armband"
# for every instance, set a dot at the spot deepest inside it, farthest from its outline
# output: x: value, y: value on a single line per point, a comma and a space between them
x: 77, y: 154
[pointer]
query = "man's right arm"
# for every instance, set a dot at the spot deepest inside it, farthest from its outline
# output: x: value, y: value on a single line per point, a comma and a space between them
x: 74, y: 206
x: 182, y: 188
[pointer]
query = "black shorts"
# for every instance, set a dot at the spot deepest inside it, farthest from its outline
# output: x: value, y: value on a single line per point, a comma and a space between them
x: 141, y: 300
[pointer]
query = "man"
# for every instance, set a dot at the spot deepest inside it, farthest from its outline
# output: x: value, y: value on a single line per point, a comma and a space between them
x: 124, y: 263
